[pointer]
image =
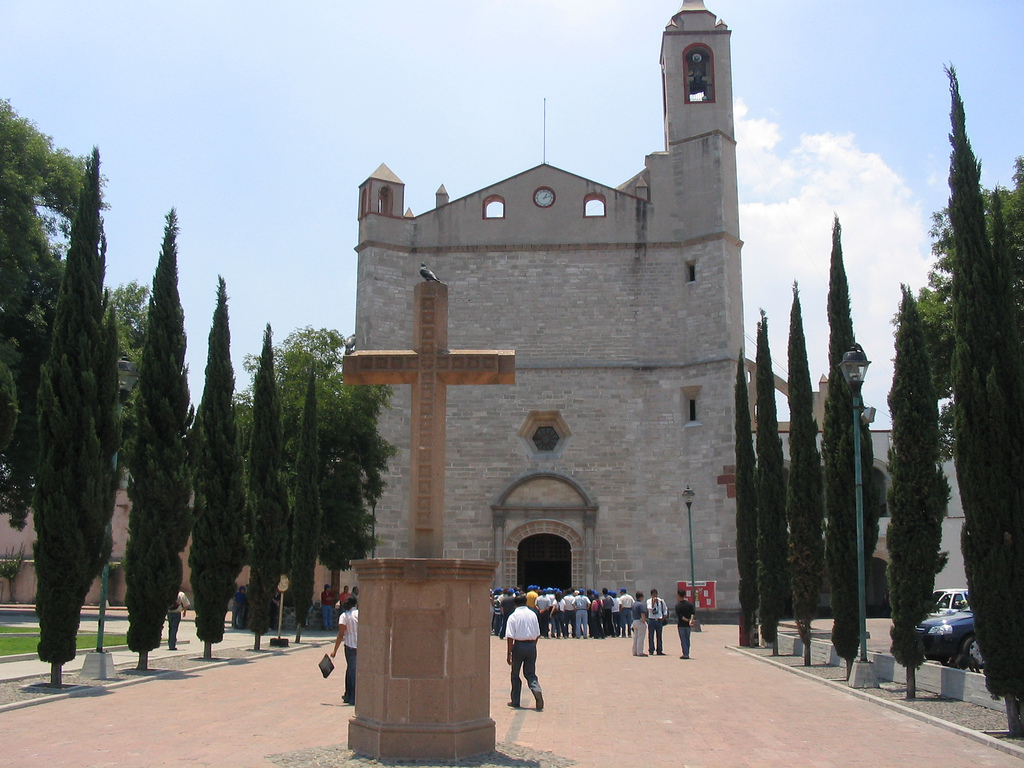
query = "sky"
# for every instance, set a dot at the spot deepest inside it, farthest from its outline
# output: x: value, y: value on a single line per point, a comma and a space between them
x: 257, y: 122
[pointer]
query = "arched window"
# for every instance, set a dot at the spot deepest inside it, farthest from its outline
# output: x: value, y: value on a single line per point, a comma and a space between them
x: 699, y: 70
x: 593, y: 205
x: 494, y: 207
x: 384, y: 201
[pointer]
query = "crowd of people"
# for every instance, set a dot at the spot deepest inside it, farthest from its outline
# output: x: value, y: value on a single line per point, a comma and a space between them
x: 521, y: 619
x: 588, y: 613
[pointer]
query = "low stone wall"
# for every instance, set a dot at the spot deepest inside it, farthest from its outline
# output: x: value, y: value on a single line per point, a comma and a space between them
x: 947, y: 682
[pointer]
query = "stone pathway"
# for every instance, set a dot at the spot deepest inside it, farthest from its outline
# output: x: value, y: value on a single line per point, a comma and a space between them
x: 603, y: 708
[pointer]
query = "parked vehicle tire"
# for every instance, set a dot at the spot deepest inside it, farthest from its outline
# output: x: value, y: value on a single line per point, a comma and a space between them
x: 972, y: 652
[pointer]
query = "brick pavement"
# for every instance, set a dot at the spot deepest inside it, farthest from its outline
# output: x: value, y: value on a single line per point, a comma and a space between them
x: 603, y: 708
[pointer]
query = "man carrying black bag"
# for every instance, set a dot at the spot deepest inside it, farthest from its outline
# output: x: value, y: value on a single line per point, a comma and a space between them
x: 348, y: 632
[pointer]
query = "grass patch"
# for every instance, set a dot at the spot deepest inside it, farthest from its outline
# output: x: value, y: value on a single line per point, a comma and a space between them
x: 19, y: 630
x: 10, y: 646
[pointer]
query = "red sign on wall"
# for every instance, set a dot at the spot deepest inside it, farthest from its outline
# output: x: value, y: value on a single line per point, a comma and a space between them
x: 705, y: 593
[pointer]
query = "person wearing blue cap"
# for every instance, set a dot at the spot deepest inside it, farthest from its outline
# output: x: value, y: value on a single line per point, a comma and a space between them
x: 617, y: 629
x: 532, y: 593
x: 626, y: 612
x: 544, y: 602
x: 496, y: 612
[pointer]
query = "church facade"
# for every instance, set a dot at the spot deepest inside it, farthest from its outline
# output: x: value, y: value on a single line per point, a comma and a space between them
x: 624, y: 307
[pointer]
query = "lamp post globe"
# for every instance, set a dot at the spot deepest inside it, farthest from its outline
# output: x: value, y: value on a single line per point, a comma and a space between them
x: 855, y: 368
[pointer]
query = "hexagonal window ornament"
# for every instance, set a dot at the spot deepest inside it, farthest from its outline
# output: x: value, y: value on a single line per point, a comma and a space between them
x: 544, y: 434
x: 545, y: 438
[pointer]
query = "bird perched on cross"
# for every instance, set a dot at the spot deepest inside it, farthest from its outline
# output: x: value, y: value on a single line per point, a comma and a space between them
x: 427, y: 275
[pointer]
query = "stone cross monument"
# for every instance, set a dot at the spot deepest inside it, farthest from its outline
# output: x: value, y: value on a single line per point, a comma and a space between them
x: 430, y: 368
x: 423, y: 686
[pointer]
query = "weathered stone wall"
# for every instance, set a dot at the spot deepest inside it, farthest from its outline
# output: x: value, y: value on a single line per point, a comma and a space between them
x: 615, y: 343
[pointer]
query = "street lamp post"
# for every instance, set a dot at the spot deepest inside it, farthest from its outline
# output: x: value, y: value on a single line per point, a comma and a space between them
x: 854, y: 366
x: 98, y: 665
x: 688, y: 494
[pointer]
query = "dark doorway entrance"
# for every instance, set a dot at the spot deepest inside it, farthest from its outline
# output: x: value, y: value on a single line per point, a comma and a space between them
x: 545, y: 560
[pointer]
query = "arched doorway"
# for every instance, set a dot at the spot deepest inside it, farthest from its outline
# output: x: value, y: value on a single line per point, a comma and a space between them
x: 545, y: 503
x: 545, y: 559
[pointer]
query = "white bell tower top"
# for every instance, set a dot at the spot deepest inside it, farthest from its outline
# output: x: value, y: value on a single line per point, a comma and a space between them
x: 697, y: 75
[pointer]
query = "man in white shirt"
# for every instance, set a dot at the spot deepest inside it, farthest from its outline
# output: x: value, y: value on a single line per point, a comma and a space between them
x: 657, y: 613
x: 177, y: 611
x: 521, y: 634
x: 626, y: 611
x: 543, y: 605
x: 348, y: 632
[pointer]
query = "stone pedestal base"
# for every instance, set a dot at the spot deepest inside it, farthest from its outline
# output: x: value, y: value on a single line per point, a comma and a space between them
x: 423, y: 676
x: 862, y: 675
x: 98, y: 665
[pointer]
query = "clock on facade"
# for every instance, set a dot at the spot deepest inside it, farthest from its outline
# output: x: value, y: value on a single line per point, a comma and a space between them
x: 544, y: 197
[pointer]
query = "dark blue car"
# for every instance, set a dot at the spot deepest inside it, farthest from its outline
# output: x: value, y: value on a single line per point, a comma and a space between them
x: 950, y: 639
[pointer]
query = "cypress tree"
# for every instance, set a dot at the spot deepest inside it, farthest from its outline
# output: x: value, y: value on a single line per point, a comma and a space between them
x: 218, y: 534
x: 918, y: 492
x: 268, y: 498
x: 837, y: 450
x: 8, y: 406
x: 307, y: 513
x: 988, y: 421
x: 772, y: 570
x: 78, y: 436
x: 160, y: 487
x: 804, y: 501
x: 746, y: 502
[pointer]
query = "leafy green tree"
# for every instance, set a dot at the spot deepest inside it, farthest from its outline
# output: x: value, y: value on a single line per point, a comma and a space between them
x: 935, y: 300
x: 218, y: 533
x: 917, y: 494
x: 160, y: 487
x: 39, y: 192
x: 78, y: 435
x: 988, y: 421
x: 837, y: 451
x: 8, y: 406
x: 268, y: 498
x: 804, y: 500
x: 307, y: 514
x: 746, y: 502
x: 772, y: 545
x: 353, y: 456
x: 130, y: 302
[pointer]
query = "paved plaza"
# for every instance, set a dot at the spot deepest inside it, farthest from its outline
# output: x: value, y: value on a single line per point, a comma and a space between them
x: 603, y: 708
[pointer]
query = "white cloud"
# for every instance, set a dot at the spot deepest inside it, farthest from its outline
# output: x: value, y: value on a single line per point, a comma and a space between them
x: 788, y: 198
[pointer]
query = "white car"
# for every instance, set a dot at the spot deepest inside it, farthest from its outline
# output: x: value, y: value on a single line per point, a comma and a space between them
x: 950, y: 601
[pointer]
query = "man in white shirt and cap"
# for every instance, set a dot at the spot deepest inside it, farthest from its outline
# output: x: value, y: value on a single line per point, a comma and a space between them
x: 521, y: 634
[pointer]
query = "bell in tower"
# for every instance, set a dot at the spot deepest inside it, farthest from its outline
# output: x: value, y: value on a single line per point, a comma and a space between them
x: 700, y: 74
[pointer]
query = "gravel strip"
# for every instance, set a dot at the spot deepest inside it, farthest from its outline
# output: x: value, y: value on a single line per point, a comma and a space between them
x: 970, y: 716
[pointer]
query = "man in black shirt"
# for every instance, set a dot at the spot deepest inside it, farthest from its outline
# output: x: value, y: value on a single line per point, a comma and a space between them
x: 684, y: 613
